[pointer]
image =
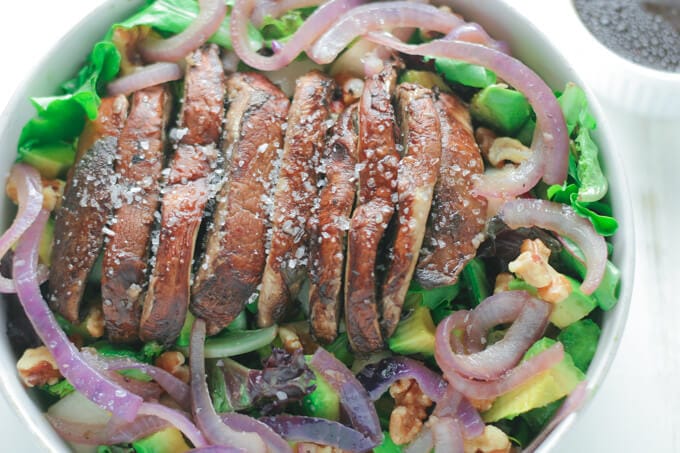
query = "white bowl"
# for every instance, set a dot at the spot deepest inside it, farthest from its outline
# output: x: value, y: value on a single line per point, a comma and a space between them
x: 499, y: 17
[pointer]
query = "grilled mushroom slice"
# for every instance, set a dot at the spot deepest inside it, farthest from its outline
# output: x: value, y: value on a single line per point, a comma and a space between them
x: 235, y: 253
x: 328, y: 234
x: 136, y: 195
x: 457, y: 217
x: 85, y: 209
x: 294, y: 196
x: 185, y: 195
x: 378, y: 165
x: 418, y: 172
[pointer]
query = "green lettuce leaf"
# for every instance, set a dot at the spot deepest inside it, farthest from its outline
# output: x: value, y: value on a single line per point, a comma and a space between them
x: 173, y: 16
x: 281, y: 29
x: 598, y: 213
x: 61, y: 118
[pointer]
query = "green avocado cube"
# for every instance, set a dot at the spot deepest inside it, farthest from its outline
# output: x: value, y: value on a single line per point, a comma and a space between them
x: 500, y: 108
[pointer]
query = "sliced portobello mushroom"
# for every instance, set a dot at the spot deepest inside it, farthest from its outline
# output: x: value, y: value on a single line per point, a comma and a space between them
x: 185, y: 194
x: 231, y: 268
x: 328, y: 235
x: 457, y: 218
x: 140, y: 160
x: 418, y: 172
x: 296, y: 190
x: 378, y: 166
x: 86, y: 205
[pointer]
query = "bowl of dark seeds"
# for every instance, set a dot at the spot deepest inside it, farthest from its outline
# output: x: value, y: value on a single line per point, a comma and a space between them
x: 627, y: 50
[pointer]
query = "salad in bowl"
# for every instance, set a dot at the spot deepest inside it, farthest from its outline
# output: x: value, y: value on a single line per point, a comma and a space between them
x: 311, y: 226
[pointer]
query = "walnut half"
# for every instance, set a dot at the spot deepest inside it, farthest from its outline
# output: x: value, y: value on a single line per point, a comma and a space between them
x: 409, y: 412
x: 37, y: 367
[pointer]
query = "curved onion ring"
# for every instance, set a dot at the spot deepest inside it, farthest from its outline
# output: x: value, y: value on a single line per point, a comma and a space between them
x: 176, y: 419
x: 563, y: 220
x: 178, y: 390
x: 515, y: 377
x: 211, y: 14
x: 243, y: 423
x: 145, y: 77
x: 495, y: 360
x: 97, y: 434
x: 380, y: 16
x: 84, y: 378
x: 26, y: 179
x: 377, y: 377
x: 216, y: 432
x: 550, y: 144
x: 297, y: 428
x: 353, y: 397
x: 422, y: 443
x: 447, y: 435
x: 489, y: 314
x: 311, y: 29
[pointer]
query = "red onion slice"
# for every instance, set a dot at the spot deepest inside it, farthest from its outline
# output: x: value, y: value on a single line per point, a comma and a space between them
x: 489, y: 314
x: 216, y: 432
x: 551, y: 141
x: 178, y: 390
x: 572, y: 404
x: 26, y: 179
x: 353, y: 397
x: 377, y: 378
x: 380, y: 16
x: 73, y: 367
x: 423, y: 443
x: 176, y: 419
x: 211, y: 14
x: 563, y: 220
x: 145, y: 77
x: 447, y: 436
x: 314, y: 26
x: 495, y: 360
x: 244, y: 423
x: 96, y: 434
x: 515, y: 377
x: 468, y: 418
x: 297, y: 428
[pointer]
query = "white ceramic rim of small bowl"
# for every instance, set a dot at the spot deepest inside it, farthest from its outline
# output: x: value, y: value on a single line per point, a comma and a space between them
x: 632, y: 86
x: 94, y: 25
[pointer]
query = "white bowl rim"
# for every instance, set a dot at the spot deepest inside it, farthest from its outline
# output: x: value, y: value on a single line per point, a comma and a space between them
x: 19, y: 398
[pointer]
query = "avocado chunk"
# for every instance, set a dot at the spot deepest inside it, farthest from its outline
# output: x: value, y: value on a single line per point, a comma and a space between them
x: 169, y: 440
x: 456, y: 71
x: 500, y: 108
x: 580, y: 342
x: 539, y: 391
x: 45, y: 246
x: 414, y: 334
x: 323, y: 402
x: 52, y: 161
x: 426, y: 79
x: 576, y: 306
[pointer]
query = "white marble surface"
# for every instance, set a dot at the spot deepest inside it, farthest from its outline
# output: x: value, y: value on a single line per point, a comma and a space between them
x: 638, y: 407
